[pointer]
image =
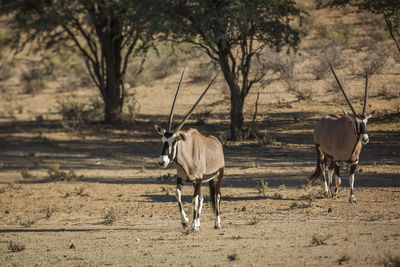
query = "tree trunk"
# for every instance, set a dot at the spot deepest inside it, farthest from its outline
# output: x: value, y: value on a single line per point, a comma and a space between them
x: 113, y: 95
x: 236, y: 98
x: 112, y: 104
x: 236, y: 116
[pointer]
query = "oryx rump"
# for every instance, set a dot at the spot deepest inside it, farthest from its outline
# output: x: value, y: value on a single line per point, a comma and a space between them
x: 198, y: 159
x: 340, y: 139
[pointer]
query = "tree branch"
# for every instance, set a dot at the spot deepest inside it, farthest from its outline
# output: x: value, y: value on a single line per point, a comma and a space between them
x: 390, y: 27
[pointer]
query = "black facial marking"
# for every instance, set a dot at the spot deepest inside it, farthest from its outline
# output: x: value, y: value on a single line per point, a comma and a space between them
x: 363, y: 128
x: 168, y: 134
x: 164, y: 151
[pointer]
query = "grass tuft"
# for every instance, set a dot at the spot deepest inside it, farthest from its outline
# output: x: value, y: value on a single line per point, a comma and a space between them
x: 15, y: 246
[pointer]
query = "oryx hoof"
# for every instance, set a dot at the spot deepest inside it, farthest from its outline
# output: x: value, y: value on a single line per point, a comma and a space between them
x: 326, y: 194
x: 333, y: 193
x: 352, y: 199
x: 184, y: 225
x: 217, y: 227
x: 194, y: 228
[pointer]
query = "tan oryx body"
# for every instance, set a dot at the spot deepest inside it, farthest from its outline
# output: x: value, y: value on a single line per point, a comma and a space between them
x: 198, y: 159
x: 198, y: 156
x: 340, y: 139
x: 337, y: 137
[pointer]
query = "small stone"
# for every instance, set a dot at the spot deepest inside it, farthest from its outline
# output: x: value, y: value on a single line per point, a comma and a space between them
x: 329, y: 210
x: 244, y: 208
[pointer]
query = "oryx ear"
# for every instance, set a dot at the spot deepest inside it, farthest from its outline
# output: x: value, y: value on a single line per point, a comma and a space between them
x: 160, y: 130
x: 180, y: 137
x: 370, y: 115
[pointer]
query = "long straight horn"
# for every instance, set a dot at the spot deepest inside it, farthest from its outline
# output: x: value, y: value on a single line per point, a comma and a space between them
x: 341, y: 88
x: 366, y: 92
x: 171, y: 115
x: 194, y: 106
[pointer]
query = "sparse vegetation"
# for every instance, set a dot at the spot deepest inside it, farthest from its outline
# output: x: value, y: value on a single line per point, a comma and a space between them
x: 268, y: 138
x: 49, y: 211
x: 76, y: 115
x: 233, y: 257
x: 26, y: 174
x: 253, y: 221
x: 263, y: 187
x: 110, y: 217
x: 251, y: 165
x: 318, y: 240
x: 27, y: 222
x: 15, y: 246
x: 277, y: 195
x: 282, y: 187
x: 167, y: 177
x: 294, y: 205
x: 55, y: 174
x: 344, y: 259
x: 391, y: 261
x: 223, y: 137
x: 303, y: 93
x: 387, y: 92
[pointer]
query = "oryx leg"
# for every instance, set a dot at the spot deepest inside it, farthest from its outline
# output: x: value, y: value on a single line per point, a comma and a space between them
x: 215, y: 195
x: 338, y: 181
x: 218, y: 182
x: 197, y: 205
x: 322, y: 165
x: 179, y: 185
x: 353, y: 167
x: 330, y: 174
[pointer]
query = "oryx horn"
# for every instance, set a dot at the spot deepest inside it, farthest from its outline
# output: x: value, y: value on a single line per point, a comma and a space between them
x: 171, y: 115
x: 366, y: 92
x: 194, y: 106
x: 341, y: 88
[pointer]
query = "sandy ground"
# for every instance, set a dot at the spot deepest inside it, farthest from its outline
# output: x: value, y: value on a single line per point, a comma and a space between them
x: 120, y: 208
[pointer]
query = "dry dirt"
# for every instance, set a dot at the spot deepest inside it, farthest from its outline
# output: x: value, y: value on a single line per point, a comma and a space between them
x: 120, y: 210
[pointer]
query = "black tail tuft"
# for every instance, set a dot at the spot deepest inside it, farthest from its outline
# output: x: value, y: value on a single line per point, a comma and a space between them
x: 212, y: 193
x: 318, y: 171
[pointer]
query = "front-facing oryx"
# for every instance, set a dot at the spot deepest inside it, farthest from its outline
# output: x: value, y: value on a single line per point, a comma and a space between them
x: 340, y: 138
x: 198, y: 159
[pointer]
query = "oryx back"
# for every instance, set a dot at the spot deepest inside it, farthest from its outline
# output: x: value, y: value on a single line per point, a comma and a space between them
x: 336, y: 137
x: 199, y: 156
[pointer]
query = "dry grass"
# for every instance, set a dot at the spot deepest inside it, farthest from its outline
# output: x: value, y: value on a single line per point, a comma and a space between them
x: 15, y: 246
x: 391, y: 261
x: 318, y: 240
x: 111, y: 217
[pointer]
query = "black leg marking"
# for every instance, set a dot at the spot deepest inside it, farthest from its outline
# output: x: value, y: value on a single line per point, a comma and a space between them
x: 179, y: 186
x: 352, y: 198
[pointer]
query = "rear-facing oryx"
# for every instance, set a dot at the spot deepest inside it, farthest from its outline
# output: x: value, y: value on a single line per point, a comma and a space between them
x: 198, y: 159
x: 340, y: 138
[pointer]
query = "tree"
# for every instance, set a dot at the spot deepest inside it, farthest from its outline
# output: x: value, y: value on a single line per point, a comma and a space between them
x: 389, y: 9
x: 234, y: 33
x: 106, y: 32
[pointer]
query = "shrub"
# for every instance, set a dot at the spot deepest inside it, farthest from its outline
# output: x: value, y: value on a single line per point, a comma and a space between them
x: 55, y: 174
x: 263, y: 187
x: 341, y: 34
x: 303, y: 94
x: 110, y: 217
x: 318, y: 240
x: 15, y: 246
x: 77, y: 115
x: 391, y: 261
x: 251, y: 164
x: 32, y: 80
x: 204, y: 72
x: 268, y: 138
x: 25, y: 174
